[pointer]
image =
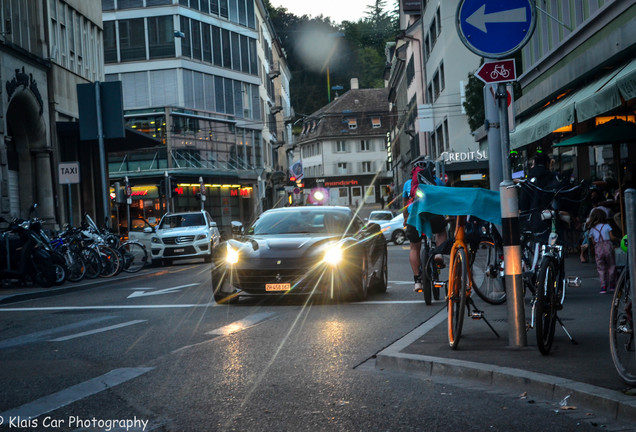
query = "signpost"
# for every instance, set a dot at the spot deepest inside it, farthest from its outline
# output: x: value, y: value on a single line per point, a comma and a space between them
x: 68, y: 175
x: 495, y: 29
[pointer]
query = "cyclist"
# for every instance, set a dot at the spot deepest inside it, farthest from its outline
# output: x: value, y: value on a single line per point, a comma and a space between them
x: 438, y: 223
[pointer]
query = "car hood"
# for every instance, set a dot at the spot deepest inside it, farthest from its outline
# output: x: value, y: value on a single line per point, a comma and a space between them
x: 170, y: 232
x: 283, y: 246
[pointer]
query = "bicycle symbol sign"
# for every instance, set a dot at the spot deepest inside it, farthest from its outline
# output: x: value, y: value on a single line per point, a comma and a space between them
x: 497, y: 71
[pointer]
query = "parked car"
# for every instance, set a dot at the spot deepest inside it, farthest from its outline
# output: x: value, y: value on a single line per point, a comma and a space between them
x: 179, y: 236
x: 379, y: 216
x: 394, y: 230
x: 301, y: 250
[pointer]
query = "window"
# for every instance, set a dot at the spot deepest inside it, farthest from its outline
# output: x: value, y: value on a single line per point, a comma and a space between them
x: 365, y: 145
x: 342, y: 168
x: 341, y: 146
x: 110, y: 43
x: 366, y: 167
x: 160, y: 37
x: 132, y: 39
x: 353, y: 124
x: 375, y: 122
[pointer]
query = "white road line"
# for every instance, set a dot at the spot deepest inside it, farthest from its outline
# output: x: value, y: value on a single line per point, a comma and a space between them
x: 74, y: 393
x: 99, y: 330
x: 243, y: 324
x: 41, y: 335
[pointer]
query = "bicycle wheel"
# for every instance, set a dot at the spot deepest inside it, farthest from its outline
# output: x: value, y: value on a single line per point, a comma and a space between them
x: 457, y: 291
x: 76, y: 269
x: 427, y: 281
x: 621, y: 331
x: 546, y: 305
x: 135, y: 256
x: 92, y: 261
x: 487, y: 273
x: 110, y: 261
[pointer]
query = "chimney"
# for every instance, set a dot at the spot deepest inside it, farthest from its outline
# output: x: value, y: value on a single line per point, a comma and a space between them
x: 354, y: 84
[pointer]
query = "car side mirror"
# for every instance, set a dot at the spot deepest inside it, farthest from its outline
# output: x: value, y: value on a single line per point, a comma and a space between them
x: 213, y: 224
x: 149, y: 230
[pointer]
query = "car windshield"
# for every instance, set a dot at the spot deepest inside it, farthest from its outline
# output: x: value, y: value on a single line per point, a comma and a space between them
x: 295, y: 222
x: 380, y: 216
x: 182, y: 220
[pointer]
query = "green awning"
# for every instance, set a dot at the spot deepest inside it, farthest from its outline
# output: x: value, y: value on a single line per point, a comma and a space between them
x: 614, y: 131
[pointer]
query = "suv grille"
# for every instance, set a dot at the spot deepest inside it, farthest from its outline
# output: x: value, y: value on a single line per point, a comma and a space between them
x: 178, y: 240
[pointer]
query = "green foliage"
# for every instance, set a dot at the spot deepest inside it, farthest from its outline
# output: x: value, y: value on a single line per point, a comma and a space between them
x: 354, y: 50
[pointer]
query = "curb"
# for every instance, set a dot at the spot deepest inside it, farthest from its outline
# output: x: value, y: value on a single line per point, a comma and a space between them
x: 616, y: 405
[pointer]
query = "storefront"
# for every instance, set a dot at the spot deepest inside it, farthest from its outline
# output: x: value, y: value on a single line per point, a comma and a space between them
x: 346, y: 191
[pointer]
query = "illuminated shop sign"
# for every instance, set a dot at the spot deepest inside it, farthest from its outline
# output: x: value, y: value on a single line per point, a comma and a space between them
x: 464, y: 156
x: 335, y: 183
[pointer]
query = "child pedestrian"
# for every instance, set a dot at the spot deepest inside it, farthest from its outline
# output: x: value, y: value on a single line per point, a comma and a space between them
x: 600, y: 233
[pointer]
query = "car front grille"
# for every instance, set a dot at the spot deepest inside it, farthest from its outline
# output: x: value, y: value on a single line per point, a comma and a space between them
x: 178, y: 240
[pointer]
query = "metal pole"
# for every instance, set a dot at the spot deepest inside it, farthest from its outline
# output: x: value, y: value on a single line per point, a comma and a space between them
x: 202, y: 192
x: 128, y: 203
x: 510, y: 233
x: 630, y: 224
x: 494, y: 136
x: 167, y: 182
x: 70, y: 204
x: 102, y: 153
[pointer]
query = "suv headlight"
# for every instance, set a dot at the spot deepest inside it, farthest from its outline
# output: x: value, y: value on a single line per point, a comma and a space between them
x: 201, y: 237
x: 155, y: 240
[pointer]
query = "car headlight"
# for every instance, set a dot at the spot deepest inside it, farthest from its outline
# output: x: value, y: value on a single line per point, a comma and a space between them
x: 201, y: 237
x: 333, y: 254
x: 232, y: 256
x: 155, y: 240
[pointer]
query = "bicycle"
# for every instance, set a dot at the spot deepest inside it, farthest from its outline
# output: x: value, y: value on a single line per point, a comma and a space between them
x: 547, y: 281
x: 621, y: 329
x: 429, y: 270
x: 487, y: 266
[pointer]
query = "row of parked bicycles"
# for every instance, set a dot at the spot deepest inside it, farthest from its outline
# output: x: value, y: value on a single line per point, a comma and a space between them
x: 477, y: 263
x: 29, y: 254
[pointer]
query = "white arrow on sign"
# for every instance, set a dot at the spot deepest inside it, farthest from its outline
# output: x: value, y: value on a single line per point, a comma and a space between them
x: 161, y: 291
x: 479, y: 19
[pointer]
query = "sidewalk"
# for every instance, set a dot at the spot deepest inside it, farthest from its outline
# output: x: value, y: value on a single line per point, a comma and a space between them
x: 583, y: 370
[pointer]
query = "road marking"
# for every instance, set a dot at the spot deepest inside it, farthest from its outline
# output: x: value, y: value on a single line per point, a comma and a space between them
x: 74, y: 393
x: 240, y: 325
x: 99, y: 330
x: 42, y: 335
x: 170, y: 290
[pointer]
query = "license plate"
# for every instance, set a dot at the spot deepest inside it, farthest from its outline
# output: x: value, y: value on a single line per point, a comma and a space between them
x: 277, y: 287
x: 180, y: 250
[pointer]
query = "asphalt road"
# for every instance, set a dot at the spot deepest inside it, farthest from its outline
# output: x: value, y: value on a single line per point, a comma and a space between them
x: 156, y: 353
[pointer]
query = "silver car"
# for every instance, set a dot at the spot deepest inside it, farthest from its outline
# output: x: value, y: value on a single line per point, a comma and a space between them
x: 394, y: 230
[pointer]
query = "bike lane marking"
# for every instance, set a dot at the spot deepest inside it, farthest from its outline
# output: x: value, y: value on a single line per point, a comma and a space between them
x: 42, y: 335
x: 99, y: 330
x: 75, y: 393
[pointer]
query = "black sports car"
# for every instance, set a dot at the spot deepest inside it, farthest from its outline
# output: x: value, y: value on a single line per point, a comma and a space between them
x: 302, y: 250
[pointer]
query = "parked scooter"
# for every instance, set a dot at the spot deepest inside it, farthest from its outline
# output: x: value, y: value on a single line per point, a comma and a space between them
x: 24, y: 256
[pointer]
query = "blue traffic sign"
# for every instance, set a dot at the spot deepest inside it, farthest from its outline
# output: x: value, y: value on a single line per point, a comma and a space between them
x: 495, y: 28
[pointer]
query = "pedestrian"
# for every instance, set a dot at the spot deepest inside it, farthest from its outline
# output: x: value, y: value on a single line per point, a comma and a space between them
x: 601, y: 235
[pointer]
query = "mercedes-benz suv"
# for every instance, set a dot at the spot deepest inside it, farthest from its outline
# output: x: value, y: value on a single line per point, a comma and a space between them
x: 184, y: 235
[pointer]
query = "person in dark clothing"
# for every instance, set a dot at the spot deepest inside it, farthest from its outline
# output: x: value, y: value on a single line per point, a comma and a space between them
x: 532, y: 203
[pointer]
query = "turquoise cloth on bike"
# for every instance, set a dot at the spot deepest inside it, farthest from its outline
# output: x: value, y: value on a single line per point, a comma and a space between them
x: 454, y: 201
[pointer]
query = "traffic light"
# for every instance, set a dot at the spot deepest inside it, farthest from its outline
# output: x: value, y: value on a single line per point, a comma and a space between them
x: 174, y: 189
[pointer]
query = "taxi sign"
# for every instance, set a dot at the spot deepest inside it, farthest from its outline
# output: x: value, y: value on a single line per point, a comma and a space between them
x: 495, y: 28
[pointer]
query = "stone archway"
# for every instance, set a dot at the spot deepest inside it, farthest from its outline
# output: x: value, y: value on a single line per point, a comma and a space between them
x: 28, y: 156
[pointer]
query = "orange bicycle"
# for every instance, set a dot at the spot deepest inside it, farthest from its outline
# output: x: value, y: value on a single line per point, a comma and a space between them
x: 459, y: 287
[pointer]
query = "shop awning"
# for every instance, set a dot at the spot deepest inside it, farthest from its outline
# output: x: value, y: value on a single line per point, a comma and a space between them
x: 613, y: 132
x: 596, y: 98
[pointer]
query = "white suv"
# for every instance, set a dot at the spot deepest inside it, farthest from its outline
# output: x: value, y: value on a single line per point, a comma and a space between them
x: 183, y: 235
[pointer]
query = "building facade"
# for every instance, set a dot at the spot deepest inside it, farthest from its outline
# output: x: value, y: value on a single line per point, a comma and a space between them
x: 343, y: 151
x: 578, y: 73
x: 46, y: 49
x: 427, y: 73
x: 199, y: 76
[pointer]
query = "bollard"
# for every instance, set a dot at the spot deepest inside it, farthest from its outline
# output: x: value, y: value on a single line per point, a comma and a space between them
x: 511, y: 233
x: 630, y: 225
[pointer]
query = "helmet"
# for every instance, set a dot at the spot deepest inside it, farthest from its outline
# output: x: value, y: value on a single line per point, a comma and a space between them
x: 624, y: 243
x: 427, y: 172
